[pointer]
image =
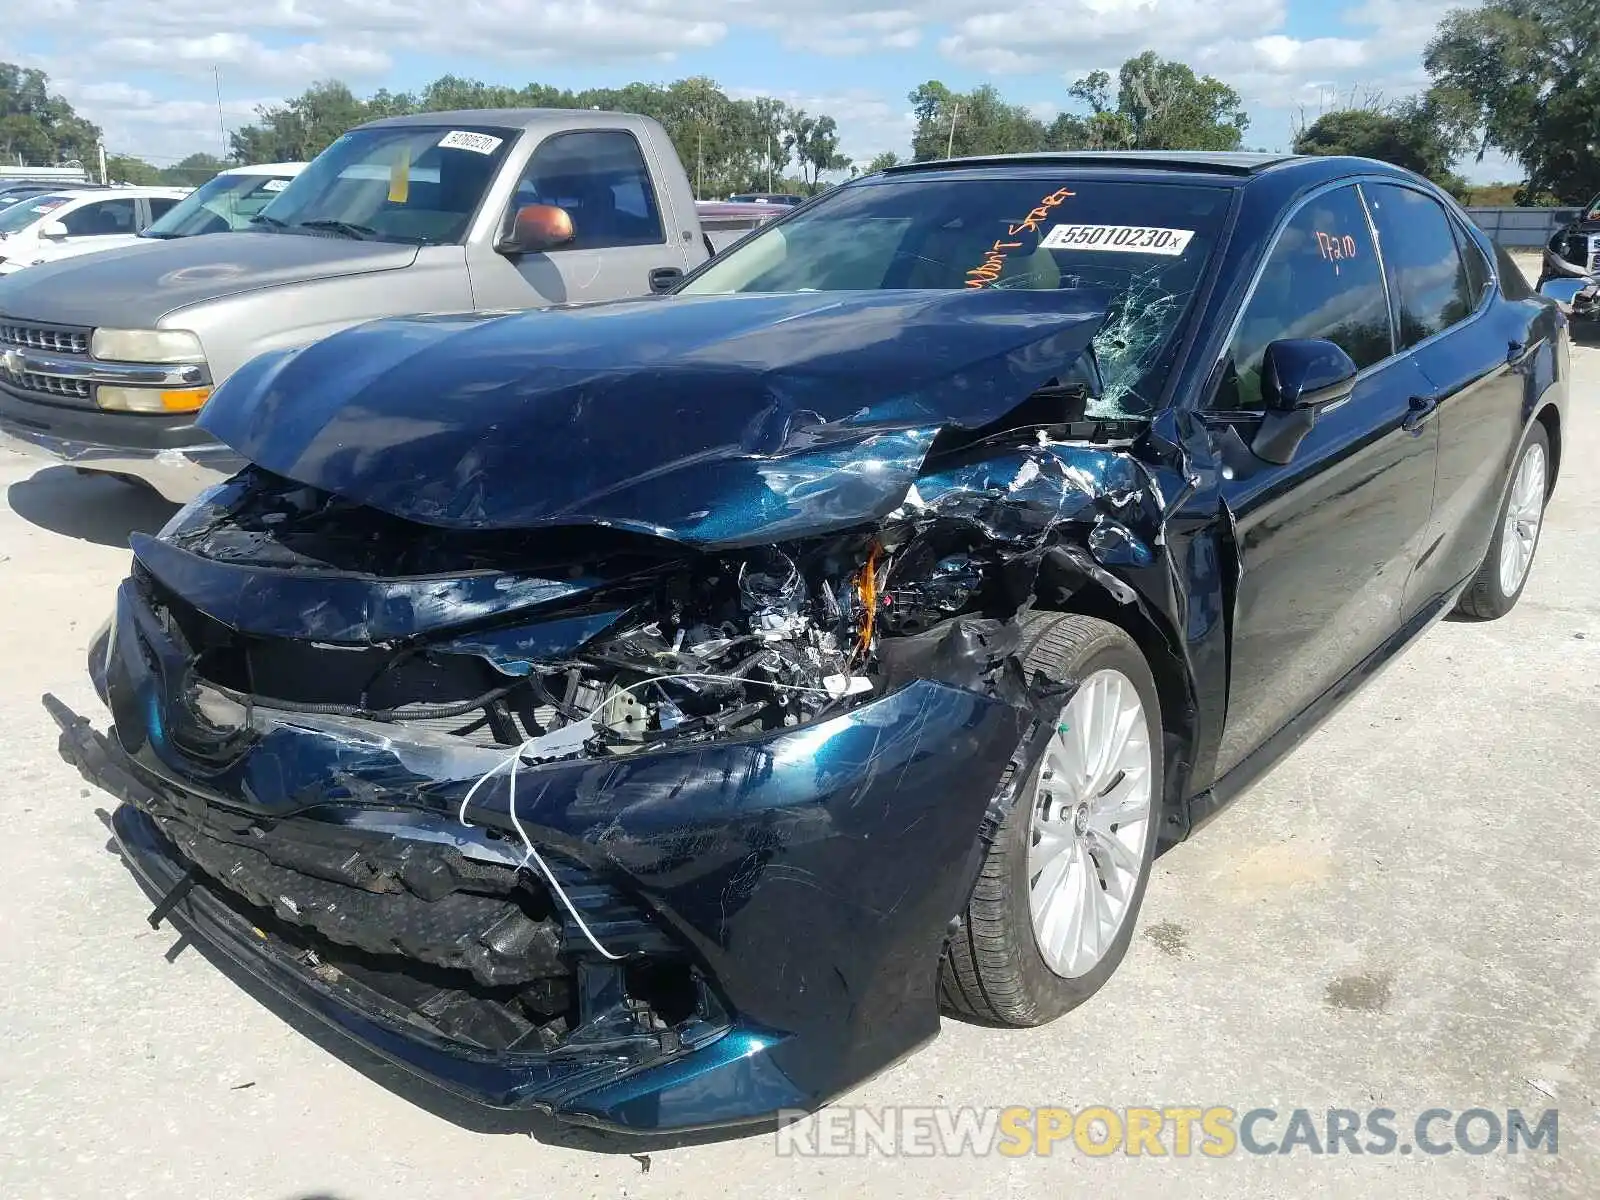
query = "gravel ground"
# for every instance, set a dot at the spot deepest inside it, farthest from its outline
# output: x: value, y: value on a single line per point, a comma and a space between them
x: 1404, y: 914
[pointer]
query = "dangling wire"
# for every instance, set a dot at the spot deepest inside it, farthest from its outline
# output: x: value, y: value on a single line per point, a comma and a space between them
x: 509, y: 765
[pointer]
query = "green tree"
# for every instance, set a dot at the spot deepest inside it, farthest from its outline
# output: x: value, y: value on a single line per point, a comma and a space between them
x: 124, y: 168
x: 727, y: 145
x: 1164, y: 105
x: 192, y: 171
x: 962, y: 124
x: 1152, y: 104
x: 301, y: 128
x: 882, y: 162
x: 38, y: 129
x: 1525, y: 76
x: 1405, y: 134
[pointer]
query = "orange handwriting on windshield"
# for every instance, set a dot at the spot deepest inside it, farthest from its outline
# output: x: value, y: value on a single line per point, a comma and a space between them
x: 994, y: 258
x: 1031, y: 221
x: 994, y: 261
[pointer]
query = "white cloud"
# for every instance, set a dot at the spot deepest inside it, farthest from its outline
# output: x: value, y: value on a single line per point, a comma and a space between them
x: 273, y: 48
x: 1041, y: 35
x: 242, y: 56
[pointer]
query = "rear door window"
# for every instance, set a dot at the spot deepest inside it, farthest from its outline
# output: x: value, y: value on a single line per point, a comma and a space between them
x: 102, y: 218
x: 1321, y: 280
x: 1430, y: 278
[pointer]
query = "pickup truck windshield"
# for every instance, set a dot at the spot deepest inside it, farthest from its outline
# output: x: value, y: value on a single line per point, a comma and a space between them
x: 1147, y: 243
x: 404, y: 183
x: 222, y: 204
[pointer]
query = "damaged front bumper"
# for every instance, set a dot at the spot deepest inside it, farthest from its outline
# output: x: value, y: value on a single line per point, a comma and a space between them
x: 762, y: 916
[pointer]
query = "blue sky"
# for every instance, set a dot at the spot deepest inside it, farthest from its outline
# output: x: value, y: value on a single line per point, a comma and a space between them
x: 143, y: 71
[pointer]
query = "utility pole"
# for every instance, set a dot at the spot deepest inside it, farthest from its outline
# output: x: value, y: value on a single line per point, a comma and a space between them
x: 950, y: 142
x: 222, y: 130
x: 104, y: 178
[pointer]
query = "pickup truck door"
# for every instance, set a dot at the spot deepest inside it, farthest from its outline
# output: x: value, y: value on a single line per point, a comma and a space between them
x: 1327, y: 543
x: 1469, y: 346
x: 626, y: 245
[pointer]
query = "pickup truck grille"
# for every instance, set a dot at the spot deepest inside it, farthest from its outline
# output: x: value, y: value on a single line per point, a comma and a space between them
x: 50, y: 385
x: 55, y: 338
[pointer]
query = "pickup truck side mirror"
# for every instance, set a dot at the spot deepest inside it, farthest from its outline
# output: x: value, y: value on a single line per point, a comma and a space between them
x: 536, y: 228
x: 54, y: 230
x: 1298, y: 376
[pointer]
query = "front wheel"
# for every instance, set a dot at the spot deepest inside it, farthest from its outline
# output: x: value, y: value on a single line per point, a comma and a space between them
x: 1053, y: 910
x: 1498, y: 585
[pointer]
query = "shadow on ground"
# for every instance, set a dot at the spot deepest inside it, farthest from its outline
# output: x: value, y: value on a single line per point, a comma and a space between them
x: 440, y: 1103
x: 97, y: 508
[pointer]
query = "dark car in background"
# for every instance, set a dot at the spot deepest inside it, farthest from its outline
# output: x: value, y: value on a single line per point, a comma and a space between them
x: 655, y: 712
x: 1571, y: 272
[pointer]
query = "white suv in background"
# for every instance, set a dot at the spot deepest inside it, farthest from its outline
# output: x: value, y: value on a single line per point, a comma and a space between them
x: 70, y: 222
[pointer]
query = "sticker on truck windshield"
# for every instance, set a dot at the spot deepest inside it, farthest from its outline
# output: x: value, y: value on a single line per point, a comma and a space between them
x: 478, y: 143
x: 1122, y: 239
x: 274, y: 185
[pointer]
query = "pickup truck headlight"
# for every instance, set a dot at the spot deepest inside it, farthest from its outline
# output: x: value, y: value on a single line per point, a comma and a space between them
x: 146, y: 346
x: 150, y: 400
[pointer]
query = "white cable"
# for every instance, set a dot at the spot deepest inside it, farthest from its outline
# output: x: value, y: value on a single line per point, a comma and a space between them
x: 509, y: 764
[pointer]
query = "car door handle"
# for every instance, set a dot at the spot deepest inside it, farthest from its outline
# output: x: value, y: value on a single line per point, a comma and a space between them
x: 664, y: 279
x: 1422, y: 410
x: 1515, y: 351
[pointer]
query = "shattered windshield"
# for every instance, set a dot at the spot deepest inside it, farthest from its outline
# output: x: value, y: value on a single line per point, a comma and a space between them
x: 1146, y: 242
x: 401, y: 183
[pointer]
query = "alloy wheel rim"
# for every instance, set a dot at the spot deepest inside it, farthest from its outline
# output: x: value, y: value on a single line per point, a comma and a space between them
x: 1524, y: 514
x: 1092, y: 803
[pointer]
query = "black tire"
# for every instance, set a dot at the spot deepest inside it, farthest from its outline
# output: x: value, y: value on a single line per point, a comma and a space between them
x: 992, y: 970
x: 1484, y: 599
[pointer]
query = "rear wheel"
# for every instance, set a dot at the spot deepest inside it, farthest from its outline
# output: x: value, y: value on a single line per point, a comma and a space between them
x: 1498, y: 585
x: 1053, y: 910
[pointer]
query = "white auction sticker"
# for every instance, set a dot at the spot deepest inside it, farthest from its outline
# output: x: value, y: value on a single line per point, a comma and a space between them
x: 1123, y: 239
x: 478, y: 143
x: 274, y: 185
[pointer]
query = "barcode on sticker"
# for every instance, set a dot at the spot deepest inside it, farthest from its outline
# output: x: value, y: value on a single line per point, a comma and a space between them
x: 1125, y: 239
x: 478, y: 143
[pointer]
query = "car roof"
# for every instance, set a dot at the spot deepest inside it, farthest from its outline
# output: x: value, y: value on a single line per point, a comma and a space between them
x: 509, y: 118
x: 1227, y: 167
x: 283, y: 168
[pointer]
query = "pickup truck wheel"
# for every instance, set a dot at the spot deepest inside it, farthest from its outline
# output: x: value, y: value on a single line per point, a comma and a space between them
x: 1053, y: 909
x: 1498, y: 585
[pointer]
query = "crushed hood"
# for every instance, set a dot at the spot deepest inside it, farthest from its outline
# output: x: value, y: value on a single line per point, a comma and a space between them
x: 134, y: 286
x: 718, y: 420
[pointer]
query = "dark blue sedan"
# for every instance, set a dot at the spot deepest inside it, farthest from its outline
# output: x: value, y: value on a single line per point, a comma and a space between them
x: 654, y: 713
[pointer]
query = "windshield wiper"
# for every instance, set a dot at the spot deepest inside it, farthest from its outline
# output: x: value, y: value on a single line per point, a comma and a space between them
x: 151, y: 233
x: 348, y: 228
x: 269, y: 222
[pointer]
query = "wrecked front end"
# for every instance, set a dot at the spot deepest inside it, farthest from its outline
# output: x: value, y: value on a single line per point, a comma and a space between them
x: 595, y: 814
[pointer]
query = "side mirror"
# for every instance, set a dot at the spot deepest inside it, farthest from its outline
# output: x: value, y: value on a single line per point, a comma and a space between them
x: 536, y: 228
x: 1298, y: 376
x: 54, y: 230
x: 1305, y: 373
x: 1565, y: 291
